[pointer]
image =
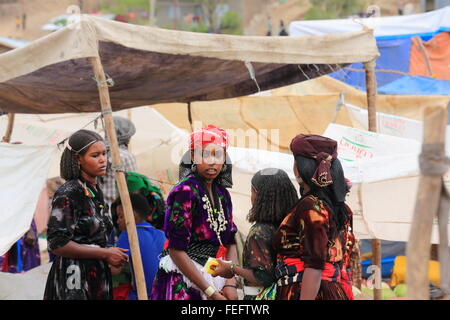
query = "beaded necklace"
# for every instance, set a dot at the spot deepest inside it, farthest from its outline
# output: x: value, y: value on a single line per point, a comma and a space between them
x: 216, y: 218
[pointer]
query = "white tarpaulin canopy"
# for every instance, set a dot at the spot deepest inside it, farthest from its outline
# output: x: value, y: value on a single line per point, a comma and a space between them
x: 23, y: 172
x: 149, y: 65
x: 384, y: 27
x: 386, y: 169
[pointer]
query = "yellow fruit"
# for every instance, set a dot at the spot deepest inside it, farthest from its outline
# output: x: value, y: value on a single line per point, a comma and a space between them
x: 210, y: 265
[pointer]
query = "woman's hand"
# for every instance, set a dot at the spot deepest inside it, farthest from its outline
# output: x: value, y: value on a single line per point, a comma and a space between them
x: 230, y: 293
x: 223, y: 269
x: 115, y: 271
x: 217, y: 296
x: 116, y: 257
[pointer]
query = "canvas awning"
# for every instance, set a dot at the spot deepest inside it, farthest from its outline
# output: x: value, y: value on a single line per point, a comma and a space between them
x: 151, y: 65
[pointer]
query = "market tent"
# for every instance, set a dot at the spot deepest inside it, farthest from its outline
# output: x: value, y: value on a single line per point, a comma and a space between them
x: 150, y: 65
x: 385, y: 28
x: 65, y: 72
x: 7, y: 44
x: 410, y: 46
x: 278, y: 115
x: 418, y: 85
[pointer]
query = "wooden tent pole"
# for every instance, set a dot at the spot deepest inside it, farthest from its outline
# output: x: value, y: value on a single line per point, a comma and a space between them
x: 9, y: 128
x: 371, y: 89
x: 120, y: 177
x: 427, y: 203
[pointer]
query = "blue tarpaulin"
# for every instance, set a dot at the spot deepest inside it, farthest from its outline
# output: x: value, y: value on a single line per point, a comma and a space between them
x: 416, y: 85
x: 394, y: 55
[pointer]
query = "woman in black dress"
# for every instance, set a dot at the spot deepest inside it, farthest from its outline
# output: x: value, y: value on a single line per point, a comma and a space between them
x: 79, y: 225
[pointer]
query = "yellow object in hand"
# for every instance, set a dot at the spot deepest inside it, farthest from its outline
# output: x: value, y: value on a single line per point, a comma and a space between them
x: 210, y: 265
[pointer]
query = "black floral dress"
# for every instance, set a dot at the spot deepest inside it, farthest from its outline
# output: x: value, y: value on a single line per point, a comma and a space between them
x: 79, y: 215
x: 259, y: 255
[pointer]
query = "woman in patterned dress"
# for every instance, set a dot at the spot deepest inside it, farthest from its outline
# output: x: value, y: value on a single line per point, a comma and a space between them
x: 198, y: 223
x: 272, y: 195
x: 314, y: 241
x: 79, y: 225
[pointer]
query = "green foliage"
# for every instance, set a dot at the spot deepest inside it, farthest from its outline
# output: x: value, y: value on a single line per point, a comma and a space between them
x: 333, y: 9
x: 124, y: 6
x: 231, y: 23
x: 198, y: 27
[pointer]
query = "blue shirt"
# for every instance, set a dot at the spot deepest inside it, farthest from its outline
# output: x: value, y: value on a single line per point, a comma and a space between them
x: 151, y: 244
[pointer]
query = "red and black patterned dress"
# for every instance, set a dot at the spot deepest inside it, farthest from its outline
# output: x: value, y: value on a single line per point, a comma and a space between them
x: 83, y: 219
x: 307, y: 238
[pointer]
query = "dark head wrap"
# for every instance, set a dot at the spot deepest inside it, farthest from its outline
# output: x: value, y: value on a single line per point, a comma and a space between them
x: 318, y: 166
x: 323, y: 150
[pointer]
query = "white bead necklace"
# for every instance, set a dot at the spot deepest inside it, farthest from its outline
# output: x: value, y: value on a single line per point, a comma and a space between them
x: 219, y: 224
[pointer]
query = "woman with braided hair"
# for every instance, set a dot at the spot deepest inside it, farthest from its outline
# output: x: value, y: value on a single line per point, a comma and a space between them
x: 79, y: 226
x: 273, y: 195
x: 314, y: 242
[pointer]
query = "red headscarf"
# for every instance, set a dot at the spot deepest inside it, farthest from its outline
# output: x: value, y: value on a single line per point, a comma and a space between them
x: 321, y: 149
x: 210, y: 134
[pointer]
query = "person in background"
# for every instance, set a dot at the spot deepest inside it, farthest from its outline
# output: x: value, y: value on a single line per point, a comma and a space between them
x: 151, y: 240
x: 198, y: 223
x: 79, y: 226
x: 283, y: 31
x: 18, y: 23
x: 24, y: 21
x: 269, y: 27
x: 24, y: 254
x: 314, y: 241
x: 273, y: 195
x: 141, y: 184
x: 125, y: 129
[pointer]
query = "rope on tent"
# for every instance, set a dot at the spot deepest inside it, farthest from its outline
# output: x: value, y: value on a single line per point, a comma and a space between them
x: 109, y: 81
x: 306, y: 76
x: 251, y: 70
x: 339, y: 105
x: 95, y: 120
x: 387, y: 71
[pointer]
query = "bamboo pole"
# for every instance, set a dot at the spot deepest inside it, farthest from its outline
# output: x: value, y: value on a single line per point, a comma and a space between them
x: 9, y: 128
x: 120, y: 177
x: 427, y: 203
x: 152, y: 11
x: 444, y: 250
x: 371, y: 90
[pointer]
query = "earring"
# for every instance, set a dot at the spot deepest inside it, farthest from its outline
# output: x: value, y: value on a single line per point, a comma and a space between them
x: 224, y: 168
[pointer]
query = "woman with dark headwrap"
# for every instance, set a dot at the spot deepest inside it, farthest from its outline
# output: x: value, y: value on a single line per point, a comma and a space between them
x: 79, y: 225
x: 273, y: 195
x: 198, y: 222
x: 314, y: 241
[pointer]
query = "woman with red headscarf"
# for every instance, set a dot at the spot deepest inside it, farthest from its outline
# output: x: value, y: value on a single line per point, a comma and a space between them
x: 314, y: 241
x: 198, y: 223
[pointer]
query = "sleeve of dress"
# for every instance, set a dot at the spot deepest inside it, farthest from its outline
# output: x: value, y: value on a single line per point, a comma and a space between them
x: 315, y: 239
x: 178, y: 225
x: 62, y: 222
x: 260, y: 258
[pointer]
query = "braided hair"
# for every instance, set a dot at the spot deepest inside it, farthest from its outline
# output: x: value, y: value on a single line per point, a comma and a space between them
x: 275, y: 196
x: 77, y: 144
